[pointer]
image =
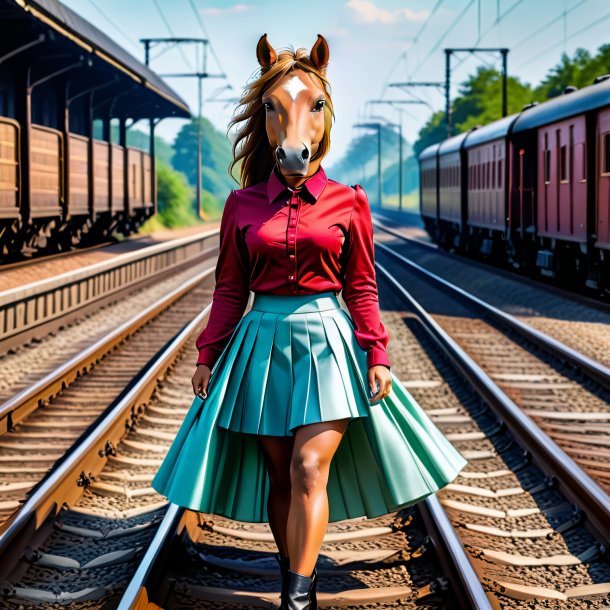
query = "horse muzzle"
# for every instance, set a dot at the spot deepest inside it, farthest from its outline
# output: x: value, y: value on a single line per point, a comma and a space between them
x: 293, y: 160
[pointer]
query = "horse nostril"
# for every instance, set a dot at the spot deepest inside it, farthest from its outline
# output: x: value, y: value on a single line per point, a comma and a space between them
x: 305, y: 154
x: 280, y: 153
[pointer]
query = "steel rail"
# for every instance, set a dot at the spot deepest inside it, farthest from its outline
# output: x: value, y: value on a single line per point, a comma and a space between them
x: 572, y: 480
x: 62, y: 484
x: 21, y: 404
x: 595, y: 370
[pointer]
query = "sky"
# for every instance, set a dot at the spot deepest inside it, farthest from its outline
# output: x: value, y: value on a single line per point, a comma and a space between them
x: 372, y: 44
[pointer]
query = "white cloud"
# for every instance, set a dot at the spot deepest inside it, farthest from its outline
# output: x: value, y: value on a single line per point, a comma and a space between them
x: 234, y: 8
x: 365, y: 11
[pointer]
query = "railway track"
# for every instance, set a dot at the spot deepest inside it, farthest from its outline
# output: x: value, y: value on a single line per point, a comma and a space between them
x: 565, y: 392
x: 36, y: 438
x: 103, y: 490
x: 526, y: 539
x: 32, y: 310
x: 535, y: 528
x: 106, y: 539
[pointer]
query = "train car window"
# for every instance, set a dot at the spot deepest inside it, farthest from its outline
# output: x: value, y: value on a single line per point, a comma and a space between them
x: 563, y: 163
x: 547, y: 166
x: 499, y: 173
x: 606, y: 149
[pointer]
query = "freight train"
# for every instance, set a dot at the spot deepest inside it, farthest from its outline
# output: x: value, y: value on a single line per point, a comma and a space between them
x: 66, y: 89
x: 530, y: 190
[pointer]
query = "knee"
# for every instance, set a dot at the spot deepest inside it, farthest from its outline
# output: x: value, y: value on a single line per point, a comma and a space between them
x: 308, y: 473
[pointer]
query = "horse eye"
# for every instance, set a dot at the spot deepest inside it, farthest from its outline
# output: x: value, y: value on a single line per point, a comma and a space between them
x: 267, y: 105
x: 319, y: 105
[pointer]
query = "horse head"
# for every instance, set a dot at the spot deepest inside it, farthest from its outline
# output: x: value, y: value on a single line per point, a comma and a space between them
x: 294, y: 106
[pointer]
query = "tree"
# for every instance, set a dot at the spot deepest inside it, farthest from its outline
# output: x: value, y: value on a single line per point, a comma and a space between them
x: 216, y: 155
x: 579, y: 71
x: 175, y: 197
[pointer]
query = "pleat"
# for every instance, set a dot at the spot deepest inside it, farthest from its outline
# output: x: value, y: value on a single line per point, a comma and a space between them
x: 234, y: 373
x: 301, y: 369
x: 274, y: 412
x: 256, y: 374
x: 354, y: 395
x: 280, y: 371
x: 356, y: 361
x: 334, y: 401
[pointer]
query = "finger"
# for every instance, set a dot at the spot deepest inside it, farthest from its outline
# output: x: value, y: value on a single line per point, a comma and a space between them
x: 384, y: 390
x: 378, y: 395
x: 372, y: 383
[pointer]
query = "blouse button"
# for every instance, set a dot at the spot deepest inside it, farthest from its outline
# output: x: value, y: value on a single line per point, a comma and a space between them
x: 291, y: 277
x: 291, y: 255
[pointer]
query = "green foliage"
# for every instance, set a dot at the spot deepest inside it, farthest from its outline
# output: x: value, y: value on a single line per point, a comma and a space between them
x: 175, y: 198
x: 480, y: 96
x: 216, y: 155
x: 435, y: 130
x: 580, y: 71
x: 480, y: 99
x: 479, y: 103
x: 360, y: 160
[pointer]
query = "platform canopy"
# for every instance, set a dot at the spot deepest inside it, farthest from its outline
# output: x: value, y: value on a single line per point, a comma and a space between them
x: 65, y: 30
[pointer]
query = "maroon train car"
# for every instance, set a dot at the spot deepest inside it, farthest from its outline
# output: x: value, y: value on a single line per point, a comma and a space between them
x: 537, y: 189
x: 428, y: 186
x: 451, y: 179
x: 487, y: 213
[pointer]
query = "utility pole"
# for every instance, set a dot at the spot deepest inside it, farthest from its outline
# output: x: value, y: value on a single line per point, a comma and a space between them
x: 448, y: 52
x: 447, y: 84
x: 400, y: 155
x: 148, y: 44
x: 379, y: 177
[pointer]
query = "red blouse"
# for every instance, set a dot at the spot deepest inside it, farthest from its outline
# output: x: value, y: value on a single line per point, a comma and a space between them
x: 277, y: 240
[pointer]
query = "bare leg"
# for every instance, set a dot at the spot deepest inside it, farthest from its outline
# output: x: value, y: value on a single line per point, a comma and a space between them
x: 314, y: 447
x: 277, y: 451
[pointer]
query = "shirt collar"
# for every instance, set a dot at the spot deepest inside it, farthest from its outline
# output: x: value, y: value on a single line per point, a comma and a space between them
x: 314, y: 185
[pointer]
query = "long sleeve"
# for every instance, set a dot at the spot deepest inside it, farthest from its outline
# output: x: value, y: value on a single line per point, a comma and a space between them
x: 232, y: 288
x: 360, y: 290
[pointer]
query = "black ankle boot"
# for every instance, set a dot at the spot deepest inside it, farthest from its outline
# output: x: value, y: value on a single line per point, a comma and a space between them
x: 284, y: 563
x: 302, y: 591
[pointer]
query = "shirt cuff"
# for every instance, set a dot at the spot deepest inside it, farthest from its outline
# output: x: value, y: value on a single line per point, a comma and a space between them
x: 205, y: 358
x: 377, y: 356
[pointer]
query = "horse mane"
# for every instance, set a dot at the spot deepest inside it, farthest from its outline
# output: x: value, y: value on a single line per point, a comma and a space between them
x: 254, y: 149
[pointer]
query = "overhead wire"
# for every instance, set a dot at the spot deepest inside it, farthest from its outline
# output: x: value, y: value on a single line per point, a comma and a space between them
x: 548, y: 23
x: 444, y: 35
x: 593, y: 23
x: 205, y: 33
x: 171, y: 31
x: 415, y: 40
x: 116, y: 27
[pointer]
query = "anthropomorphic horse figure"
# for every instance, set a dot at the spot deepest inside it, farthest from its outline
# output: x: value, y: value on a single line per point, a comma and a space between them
x: 295, y: 95
x: 297, y: 373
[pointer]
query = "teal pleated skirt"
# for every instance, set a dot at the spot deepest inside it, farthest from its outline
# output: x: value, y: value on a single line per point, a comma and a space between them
x: 293, y: 361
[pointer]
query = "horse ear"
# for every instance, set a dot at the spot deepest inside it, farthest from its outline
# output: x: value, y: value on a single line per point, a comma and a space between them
x: 319, y: 53
x: 265, y: 53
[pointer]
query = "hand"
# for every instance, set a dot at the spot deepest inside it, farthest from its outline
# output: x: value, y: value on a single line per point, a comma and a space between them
x: 200, y: 380
x: 379, y: 375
